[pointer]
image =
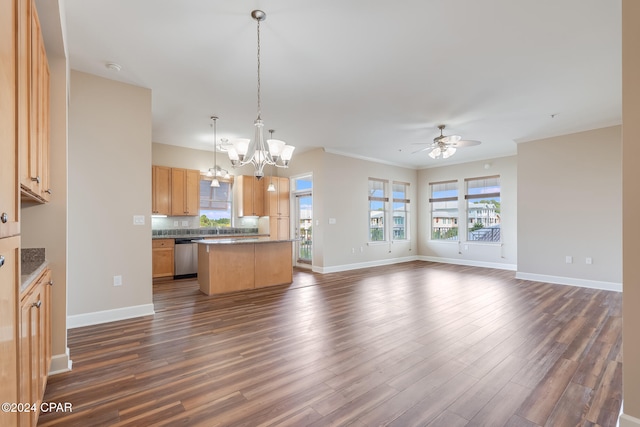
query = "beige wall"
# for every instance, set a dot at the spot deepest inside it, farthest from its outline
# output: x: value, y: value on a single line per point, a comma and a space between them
x: 631, y: 211
x: 502, y: 255
x: 187, y: 158
x: 570, y: 204
x: 109, y: 183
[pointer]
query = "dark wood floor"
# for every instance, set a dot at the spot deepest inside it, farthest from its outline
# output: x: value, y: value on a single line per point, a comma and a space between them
x: 413, y: 344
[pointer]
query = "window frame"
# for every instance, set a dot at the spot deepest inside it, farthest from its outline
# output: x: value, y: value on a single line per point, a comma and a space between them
x: 480, y: 196
x: 385, y: 203
x: 204, y: 177
x: 432, y: 210
x: 406, y: 202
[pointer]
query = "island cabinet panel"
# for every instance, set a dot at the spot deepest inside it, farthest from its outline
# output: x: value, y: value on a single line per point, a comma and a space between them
x: 236, y: 265
x: 225, y: 268
x: 273, y: 264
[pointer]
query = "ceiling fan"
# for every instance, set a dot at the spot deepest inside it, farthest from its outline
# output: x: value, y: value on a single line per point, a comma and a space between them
x: 445, y: 146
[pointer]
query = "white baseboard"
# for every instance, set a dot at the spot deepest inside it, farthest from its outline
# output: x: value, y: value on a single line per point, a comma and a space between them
x: 95, y: 318
x: 628, y: 421
x: 470, y: 263
x: 368, y: 264
x: 583, y: 283
x: 60, y: 363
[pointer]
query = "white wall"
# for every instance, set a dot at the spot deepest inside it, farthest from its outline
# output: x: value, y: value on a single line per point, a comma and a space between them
x: 109, y: 183
x: 495, y: 255
x: 570, y: 192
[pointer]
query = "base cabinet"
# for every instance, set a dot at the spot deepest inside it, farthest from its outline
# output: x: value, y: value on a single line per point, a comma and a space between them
x: 163, y: 256
x: 34, y: 345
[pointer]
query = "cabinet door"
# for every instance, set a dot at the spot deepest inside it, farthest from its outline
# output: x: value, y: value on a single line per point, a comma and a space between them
x: 192, y: 192
x: 185, y: 191
x: 43, y: 115
x: 161, y: 190
x: 283, y: 196
x: 9, y: 142
x: 9, y: 284
x: 249, y: 196
x: 162, y: 258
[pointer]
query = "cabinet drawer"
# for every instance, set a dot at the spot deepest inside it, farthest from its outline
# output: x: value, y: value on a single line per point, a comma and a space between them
x: 163, y: 243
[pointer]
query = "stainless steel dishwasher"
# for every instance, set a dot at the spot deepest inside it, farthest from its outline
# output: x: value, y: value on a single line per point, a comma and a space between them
x: 186, y: 258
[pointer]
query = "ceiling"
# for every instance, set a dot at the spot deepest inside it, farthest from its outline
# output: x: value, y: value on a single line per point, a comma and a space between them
x: 370, y: 79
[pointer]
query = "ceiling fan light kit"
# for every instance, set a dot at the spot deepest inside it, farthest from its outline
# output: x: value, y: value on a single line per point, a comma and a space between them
x: 445, y: 146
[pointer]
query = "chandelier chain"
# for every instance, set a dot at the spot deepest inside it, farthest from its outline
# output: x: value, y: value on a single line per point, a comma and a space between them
x: 259, y: 102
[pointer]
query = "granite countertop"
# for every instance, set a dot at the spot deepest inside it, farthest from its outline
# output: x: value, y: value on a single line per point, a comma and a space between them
x: 241, y: 241
x: 209, y: 236
x: 33, y: 262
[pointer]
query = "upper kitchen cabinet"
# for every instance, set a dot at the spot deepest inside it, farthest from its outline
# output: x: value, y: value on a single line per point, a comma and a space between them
x: 185, y: 192
x: 33, y: 105
x: 9, y: 134
x: 248, y: 196
x: 161, y: 190
x: 277, y: 202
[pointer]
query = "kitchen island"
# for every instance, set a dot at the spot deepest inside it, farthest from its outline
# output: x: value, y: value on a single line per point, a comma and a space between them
x: 228, y: 265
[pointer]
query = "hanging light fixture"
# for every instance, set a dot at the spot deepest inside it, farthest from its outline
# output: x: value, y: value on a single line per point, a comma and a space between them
x: 214, y: 181
x: 274, y: 152
x: 271, y: 188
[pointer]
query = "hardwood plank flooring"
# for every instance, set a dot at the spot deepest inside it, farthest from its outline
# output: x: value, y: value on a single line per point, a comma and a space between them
x: 412, y: 344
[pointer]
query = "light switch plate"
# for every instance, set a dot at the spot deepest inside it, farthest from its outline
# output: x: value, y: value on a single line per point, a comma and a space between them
x: 138, y: 220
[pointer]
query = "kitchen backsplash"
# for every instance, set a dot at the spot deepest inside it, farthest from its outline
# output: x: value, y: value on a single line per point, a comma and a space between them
x: 203, y: 231
x: 190, y: 222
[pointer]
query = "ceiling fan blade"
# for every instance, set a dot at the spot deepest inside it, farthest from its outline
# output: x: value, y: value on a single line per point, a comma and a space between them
x: 450, y: 139
x: 466, y: 143
x: 423, y: 149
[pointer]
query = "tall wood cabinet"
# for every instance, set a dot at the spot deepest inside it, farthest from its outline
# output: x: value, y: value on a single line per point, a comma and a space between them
x: 185, y: 192
x: 33, y: 82
x: 25, y: 346
x: 278, y: 208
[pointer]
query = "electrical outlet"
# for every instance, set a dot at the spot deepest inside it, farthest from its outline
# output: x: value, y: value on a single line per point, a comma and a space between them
x: 117, y: 280
x: 588, y: 260
x: 176, y: 223
x: 568, y: 259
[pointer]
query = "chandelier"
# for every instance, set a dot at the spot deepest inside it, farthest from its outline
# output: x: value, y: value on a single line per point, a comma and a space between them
x: 259, y: 152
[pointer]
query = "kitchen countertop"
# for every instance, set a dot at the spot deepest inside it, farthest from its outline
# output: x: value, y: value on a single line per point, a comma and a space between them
x: 29, y: 271
x: 241, y: 241
x: 210, y: 236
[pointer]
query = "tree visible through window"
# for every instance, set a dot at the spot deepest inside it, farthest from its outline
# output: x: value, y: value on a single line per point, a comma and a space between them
x: 483, y: 209
x: 444, y: 210
x: 215, y: 204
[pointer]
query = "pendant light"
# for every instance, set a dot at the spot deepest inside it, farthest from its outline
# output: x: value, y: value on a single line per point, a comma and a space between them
x: 274, y: 152
x: 271, y: 188
x: 214, y: 181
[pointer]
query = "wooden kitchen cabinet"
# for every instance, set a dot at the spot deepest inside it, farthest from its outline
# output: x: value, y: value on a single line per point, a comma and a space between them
x: 33, y: 106
x: 34, y: 344
x: 277, y: 207
x: 277, y: 202
x: 161, y: 190
x: 249, y: 196
x: 163, y: 256
x: 185, y: 192
x: 9, y: 120
x: 9, y: 285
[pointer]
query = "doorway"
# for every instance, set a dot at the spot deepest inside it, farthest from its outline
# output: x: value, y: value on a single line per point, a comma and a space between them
x: 303, y: 220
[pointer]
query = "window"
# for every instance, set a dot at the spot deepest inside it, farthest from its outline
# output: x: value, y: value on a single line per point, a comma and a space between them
x: 400, y: 196
x: 444, y: 210
x: 215, y: 204
x: 483, y: 209
x: 377, y: 209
